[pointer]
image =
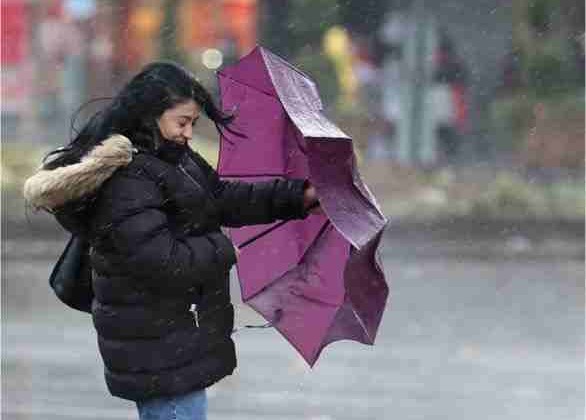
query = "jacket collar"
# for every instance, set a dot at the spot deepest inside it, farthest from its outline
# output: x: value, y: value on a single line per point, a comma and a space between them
x: 171, y: 152
x: 52, y: 189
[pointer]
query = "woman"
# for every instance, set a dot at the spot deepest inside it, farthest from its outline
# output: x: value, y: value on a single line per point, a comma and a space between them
x: 151, y: 209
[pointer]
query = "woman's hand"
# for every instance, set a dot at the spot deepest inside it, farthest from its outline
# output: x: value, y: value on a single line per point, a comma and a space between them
x: 236, y: 252
x: 310, y: 200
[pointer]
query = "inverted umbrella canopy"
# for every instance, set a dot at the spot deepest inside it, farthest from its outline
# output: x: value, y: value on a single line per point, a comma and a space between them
x: 317, y: 280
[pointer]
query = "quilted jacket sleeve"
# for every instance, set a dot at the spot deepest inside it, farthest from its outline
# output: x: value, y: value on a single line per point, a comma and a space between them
x: 131, y: 216
x: 243, y: 203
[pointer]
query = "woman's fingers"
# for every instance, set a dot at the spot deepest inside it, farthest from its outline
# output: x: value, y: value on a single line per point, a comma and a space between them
x: 309, y: 197
x: 310, y: 200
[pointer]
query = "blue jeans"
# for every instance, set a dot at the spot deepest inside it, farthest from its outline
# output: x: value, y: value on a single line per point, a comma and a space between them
x: 192, y: 406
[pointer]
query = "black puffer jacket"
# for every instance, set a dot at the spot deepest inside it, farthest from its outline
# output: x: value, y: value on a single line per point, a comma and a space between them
x: 162, y: 306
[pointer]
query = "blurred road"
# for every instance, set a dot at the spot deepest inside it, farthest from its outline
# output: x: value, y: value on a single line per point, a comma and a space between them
x: 470, y: 333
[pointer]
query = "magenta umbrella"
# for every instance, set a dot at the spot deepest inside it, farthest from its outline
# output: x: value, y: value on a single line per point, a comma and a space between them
x: 316, y: 280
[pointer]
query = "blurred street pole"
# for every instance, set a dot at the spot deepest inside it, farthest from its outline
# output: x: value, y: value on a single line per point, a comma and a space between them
x: 169, y: 45
x: 521, y: 33
x: 411, y: 39
x: 417, y: 115
x: 422, y: 132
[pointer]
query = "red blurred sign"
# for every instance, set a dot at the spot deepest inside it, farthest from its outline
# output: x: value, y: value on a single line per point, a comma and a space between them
x: 207, y: 32
x: 240, y: 20
x: 219, y: 22
x: 14, y: 32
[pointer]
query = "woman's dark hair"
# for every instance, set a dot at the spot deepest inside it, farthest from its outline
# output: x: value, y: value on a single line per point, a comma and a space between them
x: 133, y: 112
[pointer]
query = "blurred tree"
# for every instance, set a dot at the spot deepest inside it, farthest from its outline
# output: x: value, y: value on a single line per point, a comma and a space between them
x: 294, y: 29
x: 545, y: 40
x: 541, y: 15
x: 573, y: 16
x: 544, y: 112
x: 168, y: 37
x: 273, y: 17
x: 288, y: 26
x: 308, y: 22
x: 573, y: 12
x: 363, y: 16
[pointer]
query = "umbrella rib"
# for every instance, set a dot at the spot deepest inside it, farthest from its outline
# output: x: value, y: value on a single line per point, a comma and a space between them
x: 285, y: 63
x: 278, y: 225
x: 361, y: 323
x: 251, y: 87
x: 251, y: 175
x: 321, y: 302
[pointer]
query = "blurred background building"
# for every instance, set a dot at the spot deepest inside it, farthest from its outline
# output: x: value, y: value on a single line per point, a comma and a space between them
x: 58, y: 54
x: 417, y: 83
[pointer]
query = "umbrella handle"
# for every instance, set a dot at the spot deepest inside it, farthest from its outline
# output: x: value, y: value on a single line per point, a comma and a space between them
x: 269, y: 230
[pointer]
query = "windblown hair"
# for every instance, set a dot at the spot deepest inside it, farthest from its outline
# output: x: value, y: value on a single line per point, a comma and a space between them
x: 134, y: 111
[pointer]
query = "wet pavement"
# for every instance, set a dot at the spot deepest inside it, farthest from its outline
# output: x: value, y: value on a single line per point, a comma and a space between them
x: 468, y: 334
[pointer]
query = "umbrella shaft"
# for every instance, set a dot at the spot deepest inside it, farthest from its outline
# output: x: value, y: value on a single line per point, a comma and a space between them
x: 261, y: 234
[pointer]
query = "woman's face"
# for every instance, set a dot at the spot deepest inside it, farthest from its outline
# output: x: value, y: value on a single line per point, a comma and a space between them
x: 176, y: 123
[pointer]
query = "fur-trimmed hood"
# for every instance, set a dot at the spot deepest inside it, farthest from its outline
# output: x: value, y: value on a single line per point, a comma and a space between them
x: 52, y: 189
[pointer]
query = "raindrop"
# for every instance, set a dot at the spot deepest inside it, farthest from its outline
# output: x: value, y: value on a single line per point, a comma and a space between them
x: 518, y: 244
